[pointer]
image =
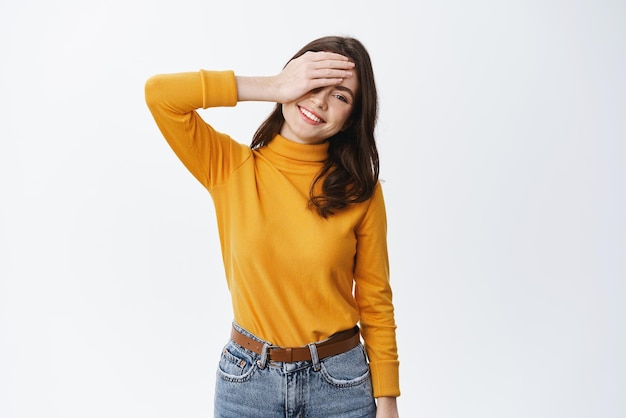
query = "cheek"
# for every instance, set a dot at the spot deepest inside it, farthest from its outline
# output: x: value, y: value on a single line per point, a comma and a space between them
x: 345, y: 116
x: 288, y: 111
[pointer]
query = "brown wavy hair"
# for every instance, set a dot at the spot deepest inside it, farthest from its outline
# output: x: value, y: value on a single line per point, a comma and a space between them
x: 350, y: 173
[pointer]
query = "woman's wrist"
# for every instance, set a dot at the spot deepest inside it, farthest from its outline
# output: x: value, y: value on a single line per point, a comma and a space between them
x: 387, y: 407
x: 260, y: 89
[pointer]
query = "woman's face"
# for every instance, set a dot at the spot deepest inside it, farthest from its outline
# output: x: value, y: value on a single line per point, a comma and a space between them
x: 320, y: 113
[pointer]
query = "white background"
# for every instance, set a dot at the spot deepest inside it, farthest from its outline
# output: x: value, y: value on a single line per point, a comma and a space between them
x: 502, y: 136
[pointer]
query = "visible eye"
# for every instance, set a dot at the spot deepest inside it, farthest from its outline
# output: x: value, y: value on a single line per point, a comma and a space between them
x: 341, y: 97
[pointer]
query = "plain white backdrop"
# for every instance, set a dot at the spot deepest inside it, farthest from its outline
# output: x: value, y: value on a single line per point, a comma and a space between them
x: 502, y: 136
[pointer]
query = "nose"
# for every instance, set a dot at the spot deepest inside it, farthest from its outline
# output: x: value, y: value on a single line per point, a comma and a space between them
x: 319, y: 98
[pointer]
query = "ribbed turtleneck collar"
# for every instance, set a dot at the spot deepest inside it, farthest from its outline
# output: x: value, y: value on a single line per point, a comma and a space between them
x: 296, y: 151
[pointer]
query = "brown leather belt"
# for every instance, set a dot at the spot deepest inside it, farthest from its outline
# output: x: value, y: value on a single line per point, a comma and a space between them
x: 337, y: 344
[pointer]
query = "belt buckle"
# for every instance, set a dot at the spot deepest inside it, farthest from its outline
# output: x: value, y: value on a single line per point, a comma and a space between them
x: 268, y: 351
x: 285, y: 354
x: 266, y: 355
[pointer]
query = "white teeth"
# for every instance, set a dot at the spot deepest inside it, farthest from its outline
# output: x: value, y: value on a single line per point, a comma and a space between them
x: 310, y: 115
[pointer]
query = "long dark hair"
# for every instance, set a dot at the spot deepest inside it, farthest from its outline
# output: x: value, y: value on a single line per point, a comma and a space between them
x: 351, y: 171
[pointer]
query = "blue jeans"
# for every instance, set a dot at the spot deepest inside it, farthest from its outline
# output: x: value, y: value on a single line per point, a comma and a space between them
x: 250, y: 386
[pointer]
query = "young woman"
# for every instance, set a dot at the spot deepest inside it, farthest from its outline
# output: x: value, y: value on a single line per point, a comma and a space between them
x: 302, y: 227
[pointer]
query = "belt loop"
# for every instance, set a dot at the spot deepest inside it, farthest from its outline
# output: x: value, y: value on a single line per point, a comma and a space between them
x: 314, y: 357
x: 264, y: 356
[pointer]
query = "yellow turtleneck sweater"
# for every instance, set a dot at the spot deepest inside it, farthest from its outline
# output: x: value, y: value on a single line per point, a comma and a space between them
x: 290, y: 272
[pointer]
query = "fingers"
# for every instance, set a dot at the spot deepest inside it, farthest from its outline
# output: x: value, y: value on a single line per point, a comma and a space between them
x: 329, y: 60
x: 323, y: 55
x: 330, y: 67
x: 330, y: 74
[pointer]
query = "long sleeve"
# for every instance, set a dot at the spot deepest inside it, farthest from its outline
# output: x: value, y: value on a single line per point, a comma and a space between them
x: 374, y: 298
x: 173, y: 99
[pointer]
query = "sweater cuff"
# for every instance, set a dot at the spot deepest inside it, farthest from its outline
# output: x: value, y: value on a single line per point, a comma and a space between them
x: 219, y: 88
x: 386, y: 378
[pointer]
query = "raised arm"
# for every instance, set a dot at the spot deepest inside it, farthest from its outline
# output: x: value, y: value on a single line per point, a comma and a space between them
x: 173, y: 100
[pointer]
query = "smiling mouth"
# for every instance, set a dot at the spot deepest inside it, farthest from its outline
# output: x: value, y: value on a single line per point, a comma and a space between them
x: 310, y: 115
